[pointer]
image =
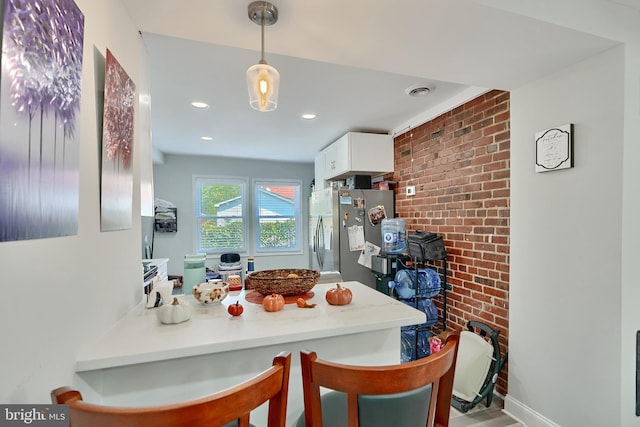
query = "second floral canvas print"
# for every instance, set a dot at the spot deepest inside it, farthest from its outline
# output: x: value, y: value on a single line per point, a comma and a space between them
x: 116, y: 195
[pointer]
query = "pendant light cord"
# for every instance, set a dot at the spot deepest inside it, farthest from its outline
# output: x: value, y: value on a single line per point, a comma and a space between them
x: 264, y: 11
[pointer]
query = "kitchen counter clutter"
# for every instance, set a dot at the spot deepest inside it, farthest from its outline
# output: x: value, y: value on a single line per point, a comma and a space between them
x: 139, y: 337
x: 141, y: 361
x: 160, y: 264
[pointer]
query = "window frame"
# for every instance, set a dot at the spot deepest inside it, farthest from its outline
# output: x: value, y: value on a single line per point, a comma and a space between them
x: 198, y: 181
x: 250, y: 213
x: 298, y: 215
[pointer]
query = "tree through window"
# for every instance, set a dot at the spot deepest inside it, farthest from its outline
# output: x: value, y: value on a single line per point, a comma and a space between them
x: 222, y: 223
x: 278, y: 216
x: 220, y: 215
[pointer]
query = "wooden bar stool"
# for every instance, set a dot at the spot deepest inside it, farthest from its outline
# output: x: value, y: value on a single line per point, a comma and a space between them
x: 228, y: 407
x: 416, y: 393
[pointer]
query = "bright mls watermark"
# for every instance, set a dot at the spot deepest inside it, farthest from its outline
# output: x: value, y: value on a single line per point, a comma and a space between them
x: 34, y: 415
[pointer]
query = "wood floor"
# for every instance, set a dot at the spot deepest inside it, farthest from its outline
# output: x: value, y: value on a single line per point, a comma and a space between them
x: 481, y: 416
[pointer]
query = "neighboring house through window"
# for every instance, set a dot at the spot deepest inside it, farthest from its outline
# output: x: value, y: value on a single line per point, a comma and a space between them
x: 224, y: 225
x: 277, y: 207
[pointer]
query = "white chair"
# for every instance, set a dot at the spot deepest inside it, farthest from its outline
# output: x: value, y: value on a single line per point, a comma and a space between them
x: 479, y: 362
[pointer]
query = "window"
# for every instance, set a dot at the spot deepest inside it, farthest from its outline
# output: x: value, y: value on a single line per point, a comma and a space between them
x: 277, y: 215
x: 220, y: 215
x: 223, y: 225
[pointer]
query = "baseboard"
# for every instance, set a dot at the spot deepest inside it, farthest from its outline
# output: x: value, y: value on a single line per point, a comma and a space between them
x: 525, y: 415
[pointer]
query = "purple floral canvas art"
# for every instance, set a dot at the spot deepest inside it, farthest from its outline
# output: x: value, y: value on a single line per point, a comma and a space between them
x: 42, y: 42
x: 116, y: 201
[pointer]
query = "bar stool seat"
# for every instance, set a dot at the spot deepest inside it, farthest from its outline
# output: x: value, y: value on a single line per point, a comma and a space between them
x: 412, y: 394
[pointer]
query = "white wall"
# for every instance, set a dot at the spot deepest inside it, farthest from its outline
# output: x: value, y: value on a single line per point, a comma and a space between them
x: 630, y: 298
x: 173, y: 181
x: 617, y: 21
x: 566, y: 233
x: 59, y: 293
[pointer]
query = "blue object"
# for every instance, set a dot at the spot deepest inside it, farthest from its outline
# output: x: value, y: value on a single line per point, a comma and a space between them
x: 394, y: 235
x: 429, y: 283
x: 427, y: 307
x: 408, y: 344
x: 402, y: 288
x: 408, y: 333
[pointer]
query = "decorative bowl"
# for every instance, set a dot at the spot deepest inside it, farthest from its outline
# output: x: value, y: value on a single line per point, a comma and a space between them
x: 284, y: 281
x: 211, y: 292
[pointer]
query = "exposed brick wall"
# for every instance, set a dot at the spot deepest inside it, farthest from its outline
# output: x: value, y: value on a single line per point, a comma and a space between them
x: 459, y: 164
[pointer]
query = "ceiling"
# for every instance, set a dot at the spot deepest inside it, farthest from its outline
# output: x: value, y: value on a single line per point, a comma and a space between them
x: 350, y: 62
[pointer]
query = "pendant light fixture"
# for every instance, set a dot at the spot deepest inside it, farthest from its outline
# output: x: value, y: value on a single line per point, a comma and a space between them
x: 263, y: 80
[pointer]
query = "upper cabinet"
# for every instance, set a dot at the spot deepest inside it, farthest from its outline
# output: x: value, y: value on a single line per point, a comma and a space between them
x: 320, y: 172
x: 355, y: 154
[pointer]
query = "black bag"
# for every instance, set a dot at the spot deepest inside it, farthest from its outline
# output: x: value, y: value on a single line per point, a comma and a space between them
x: 424, y: 245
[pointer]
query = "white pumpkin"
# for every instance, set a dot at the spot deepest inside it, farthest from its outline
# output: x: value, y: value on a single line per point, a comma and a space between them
x: 176, y: 312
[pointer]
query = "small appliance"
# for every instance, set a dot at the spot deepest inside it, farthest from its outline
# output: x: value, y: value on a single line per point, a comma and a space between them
x: 229, y: 262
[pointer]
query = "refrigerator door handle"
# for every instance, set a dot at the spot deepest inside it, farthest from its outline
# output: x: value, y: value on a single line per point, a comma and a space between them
x: 320, y: 253
x: 315, y: 237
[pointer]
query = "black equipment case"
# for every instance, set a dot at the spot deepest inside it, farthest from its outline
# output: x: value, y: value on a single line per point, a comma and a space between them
x: 424, y: 245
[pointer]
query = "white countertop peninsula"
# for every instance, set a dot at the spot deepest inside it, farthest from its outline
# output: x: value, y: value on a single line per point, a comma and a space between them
x: 143, y: 362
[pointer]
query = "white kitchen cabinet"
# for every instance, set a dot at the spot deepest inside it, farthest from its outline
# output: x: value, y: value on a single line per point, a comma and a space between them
x: 320, y: 172
x: 358, y: 154
x: 335, y: 161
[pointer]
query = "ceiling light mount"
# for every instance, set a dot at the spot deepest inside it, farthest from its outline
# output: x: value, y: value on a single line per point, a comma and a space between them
x: 259, y: 9
x: 263, y: 80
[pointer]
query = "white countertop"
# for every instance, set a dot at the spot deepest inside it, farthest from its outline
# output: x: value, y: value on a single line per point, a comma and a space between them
x: 140, y: 338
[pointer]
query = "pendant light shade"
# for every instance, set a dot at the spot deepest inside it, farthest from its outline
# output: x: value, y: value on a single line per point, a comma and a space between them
x: 263, y: 80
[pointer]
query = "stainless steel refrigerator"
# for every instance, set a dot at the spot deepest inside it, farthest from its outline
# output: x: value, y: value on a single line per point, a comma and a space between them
x: 339, y: 221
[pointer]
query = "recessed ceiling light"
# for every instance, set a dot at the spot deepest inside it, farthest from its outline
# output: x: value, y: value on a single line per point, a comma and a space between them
x: 308, y: 116
x: 200, y: 105
x: 418, y: 90
x: 206, y: 138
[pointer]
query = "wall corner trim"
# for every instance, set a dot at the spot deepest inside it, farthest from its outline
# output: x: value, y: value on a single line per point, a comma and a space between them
x: 525, y: 415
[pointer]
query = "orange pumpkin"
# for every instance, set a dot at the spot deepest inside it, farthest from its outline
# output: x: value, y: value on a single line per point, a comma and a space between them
x: 235, y: 309
x: 339, y: 295
x: 302, y: 303
x: 273, y: 302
